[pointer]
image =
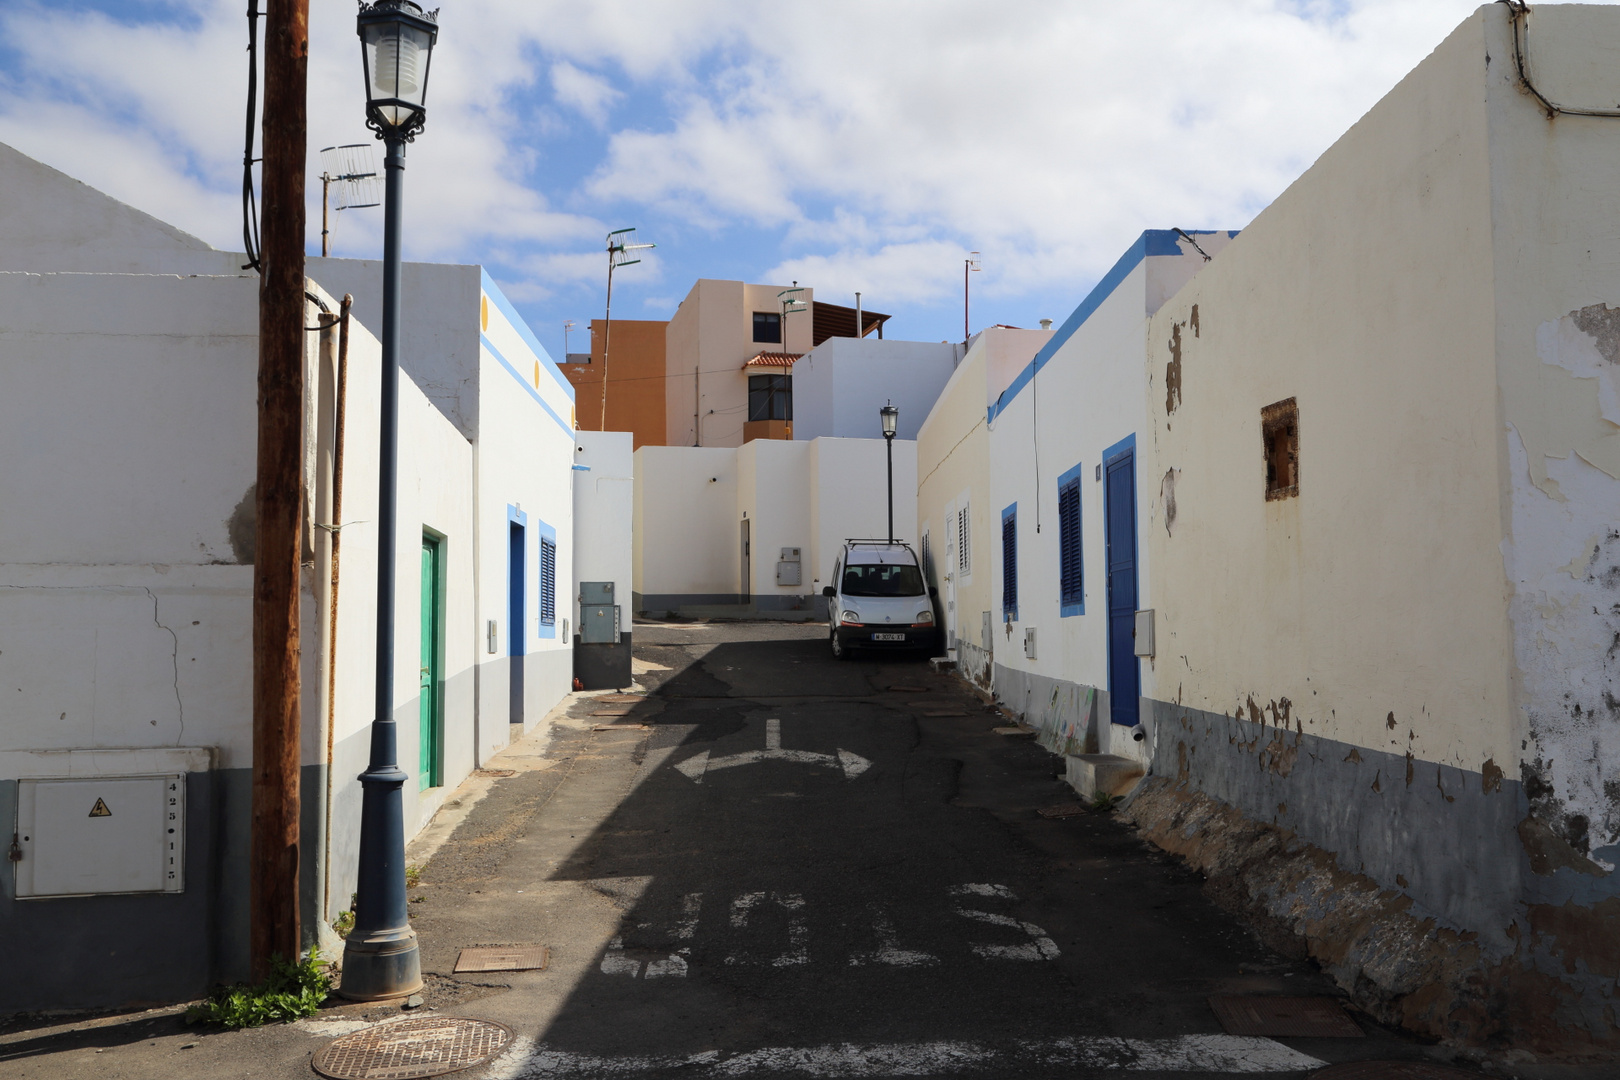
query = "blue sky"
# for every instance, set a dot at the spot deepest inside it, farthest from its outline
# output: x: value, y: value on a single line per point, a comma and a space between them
x: 846, y: 145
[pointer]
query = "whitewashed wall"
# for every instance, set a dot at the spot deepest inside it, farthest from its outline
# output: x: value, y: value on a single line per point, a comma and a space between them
x: 604, y: 515
x: 839, y: 386
x: 773, y: 485
x: 686, y: 532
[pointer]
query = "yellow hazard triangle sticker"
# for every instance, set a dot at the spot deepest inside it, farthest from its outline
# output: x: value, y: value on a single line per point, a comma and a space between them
x: 100, y: 810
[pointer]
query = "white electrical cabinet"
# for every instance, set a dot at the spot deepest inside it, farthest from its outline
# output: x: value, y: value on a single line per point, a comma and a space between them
x: 118, y: 834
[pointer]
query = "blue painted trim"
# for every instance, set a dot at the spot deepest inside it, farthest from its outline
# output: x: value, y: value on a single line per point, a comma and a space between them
x: 517, y: 639
x: 514, y: 514
x: 1067, y: 610
x: 505, y: 307
x: 1008, y: 611
x: 1119, y: 449
x: 1152, y: 243
x: 547, y: 533
x: 524, y: 381
x: 582, y: 468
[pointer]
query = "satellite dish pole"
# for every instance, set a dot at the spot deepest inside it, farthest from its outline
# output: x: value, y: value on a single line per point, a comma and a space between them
x: 619, y: 247
x: 350, y: 167
x: 970, y: 263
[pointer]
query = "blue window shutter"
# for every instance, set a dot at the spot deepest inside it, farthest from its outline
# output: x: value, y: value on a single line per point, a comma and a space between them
x: 1070, y: 568
x: 1009, y: 562
x: 548, y: 583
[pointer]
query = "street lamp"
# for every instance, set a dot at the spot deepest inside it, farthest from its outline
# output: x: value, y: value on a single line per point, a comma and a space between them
x: 380, y: 957
x: 891, y: 417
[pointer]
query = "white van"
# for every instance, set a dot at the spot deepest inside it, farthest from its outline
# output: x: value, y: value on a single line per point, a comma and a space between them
x: 880, y: 601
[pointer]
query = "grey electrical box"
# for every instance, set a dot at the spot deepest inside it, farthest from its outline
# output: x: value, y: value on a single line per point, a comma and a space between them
x: 598, y: 616
x: 789, y: 573
x: 1144, y: 632
x: 118, y: 834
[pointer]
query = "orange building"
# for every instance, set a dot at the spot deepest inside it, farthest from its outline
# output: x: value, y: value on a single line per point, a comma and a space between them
x: 635, y: 366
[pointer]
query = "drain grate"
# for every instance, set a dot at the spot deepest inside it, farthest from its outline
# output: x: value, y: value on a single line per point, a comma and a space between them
x: 1063, y: 810
x: 504, y: 958
x: 419, y: 1046
x: 1297, y: 1017
x: 1392, y: 1070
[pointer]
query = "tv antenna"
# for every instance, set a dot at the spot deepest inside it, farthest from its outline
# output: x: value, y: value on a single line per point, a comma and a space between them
x: 620, y: 246
x: 349, y: 167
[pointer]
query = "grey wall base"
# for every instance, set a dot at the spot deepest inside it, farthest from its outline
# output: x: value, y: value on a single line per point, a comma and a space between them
x: 603, y: 665
x: 810, y: 607
x: 96, y: 952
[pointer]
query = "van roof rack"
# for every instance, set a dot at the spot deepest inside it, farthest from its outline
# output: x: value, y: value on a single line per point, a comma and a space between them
x: 878, y: 541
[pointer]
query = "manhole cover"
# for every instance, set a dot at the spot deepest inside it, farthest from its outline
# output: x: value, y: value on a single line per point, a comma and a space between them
x: 504, y: 958
x: 1392, y: 1070
x: 1296, y: 1017
x: 935, y: 713
x: 614, y: 710
x: 1062, y: 810
x: 415, y: 1047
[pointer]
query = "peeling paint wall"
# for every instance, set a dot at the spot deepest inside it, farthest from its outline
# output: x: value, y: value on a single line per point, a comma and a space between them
x: 1557, y: 295
x: 1412, y: 662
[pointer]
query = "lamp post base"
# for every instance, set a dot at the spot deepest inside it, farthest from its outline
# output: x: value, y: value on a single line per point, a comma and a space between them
x: 388, y: 965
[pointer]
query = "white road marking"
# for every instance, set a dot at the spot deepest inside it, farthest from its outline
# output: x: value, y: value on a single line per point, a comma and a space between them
x: 798, y: 932
x: 702, y: 763
x: 1000, y: 891
x: 1040, y: 947
x: 614, y: 962
x: 888, y: 950
x: 1229, y: 1054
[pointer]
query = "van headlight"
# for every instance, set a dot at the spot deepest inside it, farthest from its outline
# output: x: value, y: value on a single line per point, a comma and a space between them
x: 924, y: 618
x: 850, y: 618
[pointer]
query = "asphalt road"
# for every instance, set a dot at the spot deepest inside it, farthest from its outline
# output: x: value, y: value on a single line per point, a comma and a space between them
x: 778, y: 865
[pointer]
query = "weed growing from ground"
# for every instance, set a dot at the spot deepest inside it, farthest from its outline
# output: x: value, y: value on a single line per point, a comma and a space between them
x: 291, y: 991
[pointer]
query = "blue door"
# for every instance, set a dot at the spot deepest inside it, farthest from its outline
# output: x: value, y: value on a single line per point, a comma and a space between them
x: 1119, y: 508
x: 516, y: 619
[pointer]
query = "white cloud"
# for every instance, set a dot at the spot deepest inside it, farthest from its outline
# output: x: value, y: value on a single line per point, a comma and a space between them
x: 591, y: 95
x: 877, y: 141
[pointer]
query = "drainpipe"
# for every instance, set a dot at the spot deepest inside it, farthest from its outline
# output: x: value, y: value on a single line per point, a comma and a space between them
x: 335, y: 532
x: 858, y: 334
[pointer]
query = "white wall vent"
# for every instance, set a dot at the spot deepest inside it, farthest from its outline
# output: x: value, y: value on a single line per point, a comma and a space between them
x: 1029, y: 642
x: 119, y: 834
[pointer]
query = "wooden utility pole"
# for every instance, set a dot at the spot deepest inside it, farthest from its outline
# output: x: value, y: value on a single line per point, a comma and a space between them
x: 278, y: 552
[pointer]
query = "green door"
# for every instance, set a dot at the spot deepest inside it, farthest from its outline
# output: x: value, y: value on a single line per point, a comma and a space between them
x: 432, y: 741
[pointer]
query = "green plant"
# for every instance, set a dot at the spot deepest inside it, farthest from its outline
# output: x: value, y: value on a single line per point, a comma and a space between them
x: 1103, y: 802
x: 343, y: 924
x: 413, y: 876
x: 292, y: 990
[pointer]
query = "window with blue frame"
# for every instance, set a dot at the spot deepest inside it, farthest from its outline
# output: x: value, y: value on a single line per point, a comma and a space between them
x: 1071, y: 569
x: 1009, y: 563
x: 548, y: 582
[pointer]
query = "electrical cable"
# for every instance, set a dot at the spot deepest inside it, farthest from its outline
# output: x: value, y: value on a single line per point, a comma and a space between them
x: 1517, y: 11
x: 250, y: 206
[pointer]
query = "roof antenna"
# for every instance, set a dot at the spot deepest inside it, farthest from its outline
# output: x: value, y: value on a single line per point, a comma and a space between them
x: 350, y: 167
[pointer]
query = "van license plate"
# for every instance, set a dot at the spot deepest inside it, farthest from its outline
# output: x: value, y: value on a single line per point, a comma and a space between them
x: 888, y: 637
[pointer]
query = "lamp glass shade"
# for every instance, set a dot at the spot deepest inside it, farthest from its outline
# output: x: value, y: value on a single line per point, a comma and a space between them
x: 397, y: 46
x: 891, y: 417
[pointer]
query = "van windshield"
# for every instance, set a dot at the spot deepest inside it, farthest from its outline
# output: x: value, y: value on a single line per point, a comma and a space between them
x: 875, y: 580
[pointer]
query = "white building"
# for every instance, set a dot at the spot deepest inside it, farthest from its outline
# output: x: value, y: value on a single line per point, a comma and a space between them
x: 1066, y: 507
x: 839, y: 385
x: 954, y: 493
x: 604, y: 513
x: 129, y: 359
x: 755, y: 529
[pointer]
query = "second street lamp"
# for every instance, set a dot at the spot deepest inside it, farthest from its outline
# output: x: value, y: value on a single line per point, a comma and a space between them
x: 891, y: 418
x: 380, y: 956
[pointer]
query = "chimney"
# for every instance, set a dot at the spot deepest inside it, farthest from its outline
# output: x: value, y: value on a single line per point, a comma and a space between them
x: 1046, y: 324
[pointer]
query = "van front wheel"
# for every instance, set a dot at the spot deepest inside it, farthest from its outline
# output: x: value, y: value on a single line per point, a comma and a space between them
x: 838, y: 650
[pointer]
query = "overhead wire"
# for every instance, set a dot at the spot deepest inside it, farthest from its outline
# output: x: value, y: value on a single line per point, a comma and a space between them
x: 1518, y: 12
x: 250, y: 206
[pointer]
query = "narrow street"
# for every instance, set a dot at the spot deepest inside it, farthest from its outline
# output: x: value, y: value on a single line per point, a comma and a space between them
x: 782, y: 865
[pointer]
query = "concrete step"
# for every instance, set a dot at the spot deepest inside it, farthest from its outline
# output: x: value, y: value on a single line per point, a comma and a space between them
x: 1101, y: 774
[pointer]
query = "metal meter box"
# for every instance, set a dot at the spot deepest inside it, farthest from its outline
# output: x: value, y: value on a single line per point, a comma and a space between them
x: 598, y: 615
x: 123, y: 834
x: 1143, y: 632
x: 790, y: 569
